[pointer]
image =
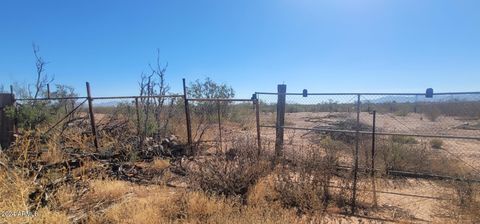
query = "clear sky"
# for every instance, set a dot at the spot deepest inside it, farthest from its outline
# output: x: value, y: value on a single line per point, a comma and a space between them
x: 324, y: 46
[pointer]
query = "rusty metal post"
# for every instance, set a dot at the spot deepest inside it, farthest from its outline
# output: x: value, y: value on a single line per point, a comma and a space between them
x: 257, y: 118
x: 137, y: 111
x: 219, y: 126
x: 372, y: 171
x: 281, y: 101
x: 92, y: 116
x: 187, y: 114
x: 48, y: 91
x: 355, y: 167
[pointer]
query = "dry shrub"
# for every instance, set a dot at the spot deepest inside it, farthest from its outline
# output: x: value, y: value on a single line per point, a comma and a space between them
x: 464, y: 203
x: 231, y: 173
x: 436, y: 143
x: 14, y: 191
x: 305, y: 183
x: 403, y: 154
x: 408, y: 154
x: 156, y: 204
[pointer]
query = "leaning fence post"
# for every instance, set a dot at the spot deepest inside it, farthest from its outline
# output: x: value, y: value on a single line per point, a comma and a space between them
x: 355, y: 168
x: 187, y: 114
x: 92, y: 116
x: 257, y: 118
x: 281, y: 98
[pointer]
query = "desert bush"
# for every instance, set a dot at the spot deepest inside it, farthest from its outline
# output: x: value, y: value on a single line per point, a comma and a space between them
x: 304, y: 183
x: 400, y: 153
x: 231, y: 173
x: 436, y: 143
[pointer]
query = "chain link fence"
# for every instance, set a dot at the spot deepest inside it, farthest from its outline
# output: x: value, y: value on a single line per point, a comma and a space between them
x: 382, y: 140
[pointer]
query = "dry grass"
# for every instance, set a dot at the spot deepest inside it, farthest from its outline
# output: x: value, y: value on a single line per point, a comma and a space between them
x: 231, y: 173
x: 463, y: 205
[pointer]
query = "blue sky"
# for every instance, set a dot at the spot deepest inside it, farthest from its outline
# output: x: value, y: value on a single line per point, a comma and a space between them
x: 324, y: 46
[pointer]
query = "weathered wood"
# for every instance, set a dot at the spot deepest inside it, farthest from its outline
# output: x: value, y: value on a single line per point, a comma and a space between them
x: 6, y: 123
x: 281, y: 100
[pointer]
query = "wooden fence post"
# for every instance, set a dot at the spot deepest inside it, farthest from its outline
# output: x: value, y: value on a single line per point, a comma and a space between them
x: 281, y: 100
x: 6, y: 123
x: 92, y: 116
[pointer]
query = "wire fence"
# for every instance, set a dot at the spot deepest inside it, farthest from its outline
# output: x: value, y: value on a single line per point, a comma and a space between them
x: 378, y: 138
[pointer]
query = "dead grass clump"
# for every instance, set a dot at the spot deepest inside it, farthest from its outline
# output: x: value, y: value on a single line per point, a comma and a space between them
x: 464, y: 203
x: 156, y: 204
x: 403, y: 154
x: 231, y: 173
x: 305, y: 183
x: 14, y: 195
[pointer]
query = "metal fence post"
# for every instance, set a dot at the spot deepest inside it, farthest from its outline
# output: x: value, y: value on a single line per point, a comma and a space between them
x: 219, y: 125
x: 137, y: 109
x: 372, y: 171
x: 355, y: 168
x: 257, y: 118
x: 48, y: 91
x: 92, y: 116
x: 187, y: 114
x: 281, y: 100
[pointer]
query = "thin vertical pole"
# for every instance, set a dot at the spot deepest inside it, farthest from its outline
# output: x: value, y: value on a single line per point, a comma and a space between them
x: 187, y: 114
x: 219, y: 125
x: 372, y: 171
x: 257, y: 118
x: 282, y: 90
x: 48, y: 91
x: 92, y: 116
x: 415, y: 110
x: 15, y: 120
x: 137, y: 109
x: 355, y: 168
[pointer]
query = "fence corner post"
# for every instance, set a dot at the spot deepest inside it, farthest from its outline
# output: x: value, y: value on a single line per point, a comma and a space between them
x: 92, y: 116
x: 281, y: 101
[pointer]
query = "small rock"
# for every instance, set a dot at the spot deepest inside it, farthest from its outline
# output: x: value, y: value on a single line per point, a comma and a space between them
x: 173, y: 138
